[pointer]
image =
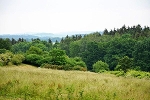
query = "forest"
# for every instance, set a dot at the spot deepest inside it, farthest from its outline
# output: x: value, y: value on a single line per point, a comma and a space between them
x: 122, y: 49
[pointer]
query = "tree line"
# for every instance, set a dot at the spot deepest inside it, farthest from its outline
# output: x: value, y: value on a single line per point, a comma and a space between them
x: 112, y: 46
x: 118, y: 49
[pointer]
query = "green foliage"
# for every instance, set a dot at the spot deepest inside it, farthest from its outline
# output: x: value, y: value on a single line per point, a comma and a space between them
x: 55, y: 59
x: 17, y: 59
x: 74, y: 49
x: 2, y: 51
x: 78, y: 61
x: 118, y: 48
x: 58, y: 57
x: 132, y: 73
x: 5, y: 59
x: 1, y: 62
x: 118, y: 73
x: 71, y: 64
x: 141, y: 54
x: 10, y: 58
x: 34, y: 50
x: 138, y: 74
x: 5, y: 43
x: 108, y: 47
x: 56, y: 45
x: 41, y: 46
x: 47, y: 60
x: 33, y: 59
x: 75, y: 63
x: 125, y: 63
x: 99, y: 65
x: 20, y: 47
x: 91, y: 55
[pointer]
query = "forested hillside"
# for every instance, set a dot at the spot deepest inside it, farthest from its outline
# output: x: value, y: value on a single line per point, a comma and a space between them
x: 117, y: 49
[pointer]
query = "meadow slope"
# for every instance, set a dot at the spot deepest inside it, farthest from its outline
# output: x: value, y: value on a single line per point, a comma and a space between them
x: 26, y: 82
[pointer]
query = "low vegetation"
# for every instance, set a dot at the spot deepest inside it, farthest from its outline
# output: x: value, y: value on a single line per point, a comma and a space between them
x: 25, y: 82
x: 132, y: 73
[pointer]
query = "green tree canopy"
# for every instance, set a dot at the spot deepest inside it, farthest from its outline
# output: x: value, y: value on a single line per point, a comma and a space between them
x: 125, y: 63
x: 34, y: 50
x: 58, y: 56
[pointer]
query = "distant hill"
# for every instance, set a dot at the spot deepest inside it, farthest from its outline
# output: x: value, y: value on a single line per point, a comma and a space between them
x: 29, y: 36
x: 44, y: 36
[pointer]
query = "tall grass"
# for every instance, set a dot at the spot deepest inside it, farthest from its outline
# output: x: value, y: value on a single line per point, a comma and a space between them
x: 29, y: 83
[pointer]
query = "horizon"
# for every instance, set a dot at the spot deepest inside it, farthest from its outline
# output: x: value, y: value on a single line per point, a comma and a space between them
x: 60, y: 34
x: 56, y: 16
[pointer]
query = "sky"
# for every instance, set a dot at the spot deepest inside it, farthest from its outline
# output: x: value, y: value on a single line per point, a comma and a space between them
x: 55, y: 16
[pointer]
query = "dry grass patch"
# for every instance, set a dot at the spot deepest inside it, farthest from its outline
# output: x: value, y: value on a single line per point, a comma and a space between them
x: 31, y: 83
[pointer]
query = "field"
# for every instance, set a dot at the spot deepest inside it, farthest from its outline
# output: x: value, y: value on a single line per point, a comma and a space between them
x: 26, y: 82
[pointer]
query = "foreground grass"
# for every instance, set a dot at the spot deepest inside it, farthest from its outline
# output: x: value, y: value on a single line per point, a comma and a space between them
x: 29, y: 83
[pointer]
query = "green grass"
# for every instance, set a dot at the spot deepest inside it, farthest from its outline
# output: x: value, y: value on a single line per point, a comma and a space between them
x: 26, y: 82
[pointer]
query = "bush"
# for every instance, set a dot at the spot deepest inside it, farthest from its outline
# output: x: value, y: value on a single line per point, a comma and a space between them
x: 46, y: 60
x: 81, y: 63
x: 77, y: 61
x: 17, y: 59
x: 138, y: 74
x: 34, y: 59
x: 5, y: 58
x: 132, y: 73
x: 99, y: 65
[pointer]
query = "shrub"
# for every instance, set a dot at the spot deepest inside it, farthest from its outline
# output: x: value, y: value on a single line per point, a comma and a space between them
x: 138, y: 74
x: 99, y: 65
x: 78, y: 62
x: 17, y: 59
x: 46, y: 60
x: 70, y: 62
x: 34, y: 59
x: 5, y: 58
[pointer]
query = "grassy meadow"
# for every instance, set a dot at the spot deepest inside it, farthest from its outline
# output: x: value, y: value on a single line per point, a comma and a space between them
x: 26, y: 82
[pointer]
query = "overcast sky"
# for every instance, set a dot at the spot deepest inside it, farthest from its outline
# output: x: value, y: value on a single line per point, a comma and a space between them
x: 54, y: 16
